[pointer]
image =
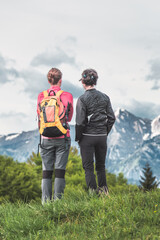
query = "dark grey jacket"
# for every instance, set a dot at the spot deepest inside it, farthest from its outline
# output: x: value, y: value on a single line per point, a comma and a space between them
x: 94, y: 114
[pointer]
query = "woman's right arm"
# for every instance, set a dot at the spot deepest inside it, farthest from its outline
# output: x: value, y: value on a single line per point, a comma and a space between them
x: 110, y: 116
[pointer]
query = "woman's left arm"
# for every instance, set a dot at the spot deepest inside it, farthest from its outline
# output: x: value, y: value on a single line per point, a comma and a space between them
x: 80, y: 119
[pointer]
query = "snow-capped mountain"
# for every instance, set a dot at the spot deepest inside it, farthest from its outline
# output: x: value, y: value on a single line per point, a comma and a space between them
x: 155, y: 127
x: 132, y: 142
x: 21, y: 145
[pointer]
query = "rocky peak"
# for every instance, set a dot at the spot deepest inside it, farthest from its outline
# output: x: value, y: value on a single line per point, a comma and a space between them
x: 155, y: 126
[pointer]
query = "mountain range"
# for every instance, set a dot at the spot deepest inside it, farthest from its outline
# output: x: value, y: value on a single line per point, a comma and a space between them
x: 132, y: 142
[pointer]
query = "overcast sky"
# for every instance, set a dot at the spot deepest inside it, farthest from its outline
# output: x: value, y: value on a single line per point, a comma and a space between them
x: 119, y: 39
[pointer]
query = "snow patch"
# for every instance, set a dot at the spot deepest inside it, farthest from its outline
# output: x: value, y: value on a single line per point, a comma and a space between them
x: 142, y: 121
x: 8, y: 138
x: 146, y: 136
x: 117, y: 120
x: 155, y: 127
x: 137, y: 127
x: 117, y: 112
x: 114, y: 139
x: 123, y: 130
x: 11, y: 150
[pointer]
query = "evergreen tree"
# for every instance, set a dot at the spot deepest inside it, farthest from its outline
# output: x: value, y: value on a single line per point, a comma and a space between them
x: 18, y: 181
x: 121, y: 180
x: 36, y: 163
x: 147, y: 181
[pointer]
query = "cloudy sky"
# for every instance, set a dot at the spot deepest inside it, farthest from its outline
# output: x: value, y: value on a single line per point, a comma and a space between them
x: 120, y: 39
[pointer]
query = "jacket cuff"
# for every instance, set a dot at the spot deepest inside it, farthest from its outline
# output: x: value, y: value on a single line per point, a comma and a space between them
x: 79, y: 130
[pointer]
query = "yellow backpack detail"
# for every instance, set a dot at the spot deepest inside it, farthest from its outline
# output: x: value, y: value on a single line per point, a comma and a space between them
x: 52, y: 115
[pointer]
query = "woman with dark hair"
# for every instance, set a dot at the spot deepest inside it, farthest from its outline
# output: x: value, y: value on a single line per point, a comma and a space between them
x: 94, y: 120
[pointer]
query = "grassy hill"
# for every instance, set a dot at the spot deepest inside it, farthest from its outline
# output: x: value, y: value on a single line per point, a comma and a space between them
x: 81, y: 215
x: 127, y: 213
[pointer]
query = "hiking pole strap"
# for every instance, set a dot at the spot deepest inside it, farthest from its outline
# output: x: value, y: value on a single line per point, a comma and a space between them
x: 39, y: 145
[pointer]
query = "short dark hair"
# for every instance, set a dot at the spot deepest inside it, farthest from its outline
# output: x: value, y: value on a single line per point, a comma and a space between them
x: 54, y: 75
x: 89, y: 77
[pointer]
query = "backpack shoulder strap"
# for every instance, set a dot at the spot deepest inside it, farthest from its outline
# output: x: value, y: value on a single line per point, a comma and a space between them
x: 59, y: 93
x: 45, y: 93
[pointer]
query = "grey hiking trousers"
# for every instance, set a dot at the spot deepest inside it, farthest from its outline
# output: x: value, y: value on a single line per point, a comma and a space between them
x: 54, y: 153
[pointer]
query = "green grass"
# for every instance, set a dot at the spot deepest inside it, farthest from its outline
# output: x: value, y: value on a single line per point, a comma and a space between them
x: 79, y: 215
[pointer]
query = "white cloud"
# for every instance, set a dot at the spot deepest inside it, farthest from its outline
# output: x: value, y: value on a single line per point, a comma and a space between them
x: 53, y: 58
x: 154, y: 75
x: 141, y: 109
x: 117, y: 38
x: 6, y: 73
x: 36, y: 82
x: 13, y: 122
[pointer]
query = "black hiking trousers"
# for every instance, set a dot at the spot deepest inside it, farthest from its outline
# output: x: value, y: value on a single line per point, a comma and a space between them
x: 90, y: 147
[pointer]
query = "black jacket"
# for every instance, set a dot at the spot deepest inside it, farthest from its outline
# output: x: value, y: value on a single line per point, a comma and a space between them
x: 94, y: 114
